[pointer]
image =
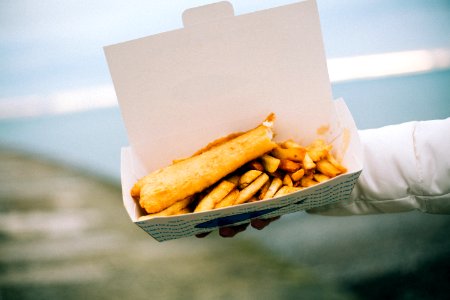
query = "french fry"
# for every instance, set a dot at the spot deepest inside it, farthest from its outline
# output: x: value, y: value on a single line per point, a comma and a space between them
x: 285, y: 190
x: 287, y: 180
x: 256, y: 165
x: 175, y: 209
x: 248, y: 178
x: 308, y: 163
x: 297, y: 175
x: 217, y: 194
x: 335, y: 163
x: 263, y: 190
x: 308, y: 181
x: 277, y: 174
x: 228, y: 200
x: 318, y: 149
x: 185, y: 210
x: 252, y: 189
x: 136, y: 190
x: 289, y: 165
x: 321, y: 177
x: 275, y: 185
x: 294, y: 154
x: 233, y: 179
x: 290, y: 144
x: 270, y: 163
x: 295, y: 189
x: 252, y: 199
x: 325, y: 167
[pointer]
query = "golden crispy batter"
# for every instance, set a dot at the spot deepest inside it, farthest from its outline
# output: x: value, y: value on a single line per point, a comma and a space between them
x: 166, y: 186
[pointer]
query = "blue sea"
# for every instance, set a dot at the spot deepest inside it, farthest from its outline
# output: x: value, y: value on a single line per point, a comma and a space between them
x: 92, y: 140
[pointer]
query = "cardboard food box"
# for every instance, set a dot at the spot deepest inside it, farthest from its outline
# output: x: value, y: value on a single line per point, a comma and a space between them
x: 222, y: 73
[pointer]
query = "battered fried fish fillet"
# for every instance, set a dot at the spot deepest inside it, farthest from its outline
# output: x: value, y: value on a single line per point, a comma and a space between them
x: 187, y: 177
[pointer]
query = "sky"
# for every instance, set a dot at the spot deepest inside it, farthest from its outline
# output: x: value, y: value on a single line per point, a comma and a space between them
x: 51, y: 45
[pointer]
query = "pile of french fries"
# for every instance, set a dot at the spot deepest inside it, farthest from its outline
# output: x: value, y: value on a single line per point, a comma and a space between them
x: 288, y: 168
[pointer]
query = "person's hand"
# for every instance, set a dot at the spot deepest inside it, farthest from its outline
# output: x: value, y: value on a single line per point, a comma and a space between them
x: 231, y: 231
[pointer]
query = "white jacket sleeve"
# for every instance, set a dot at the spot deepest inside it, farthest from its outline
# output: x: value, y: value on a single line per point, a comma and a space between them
x: 406, y: 167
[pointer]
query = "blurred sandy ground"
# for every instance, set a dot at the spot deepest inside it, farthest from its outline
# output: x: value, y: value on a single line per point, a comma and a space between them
x: 65, y: 235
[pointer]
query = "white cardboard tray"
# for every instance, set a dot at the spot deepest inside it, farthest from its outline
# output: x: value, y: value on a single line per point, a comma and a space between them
x: 219, y: 74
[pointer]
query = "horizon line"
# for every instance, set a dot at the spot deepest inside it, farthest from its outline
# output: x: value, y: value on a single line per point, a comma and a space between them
x: 343, y: 69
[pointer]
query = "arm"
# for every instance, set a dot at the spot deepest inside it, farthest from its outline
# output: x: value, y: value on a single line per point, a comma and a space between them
x: 406, y: 167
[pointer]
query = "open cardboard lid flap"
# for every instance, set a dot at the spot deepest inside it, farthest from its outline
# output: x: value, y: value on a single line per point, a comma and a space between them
x: 219, y: 74
x: 207, y: 13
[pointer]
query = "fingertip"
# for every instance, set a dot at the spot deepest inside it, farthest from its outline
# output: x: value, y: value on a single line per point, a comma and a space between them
x: 260, y: 224
x: 202, y: 235
x: 227, y: 232
x: 232, y: 230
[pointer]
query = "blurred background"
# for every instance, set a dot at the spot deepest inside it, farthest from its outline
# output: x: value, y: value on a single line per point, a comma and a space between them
x: 64, y: 232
